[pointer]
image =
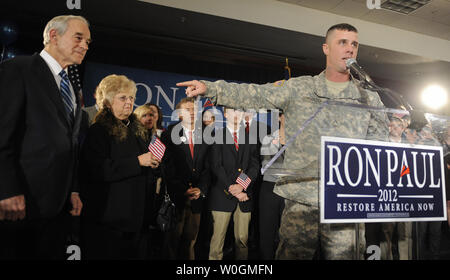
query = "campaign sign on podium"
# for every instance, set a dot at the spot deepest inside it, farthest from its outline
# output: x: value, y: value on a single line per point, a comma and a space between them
x: 372, y: 181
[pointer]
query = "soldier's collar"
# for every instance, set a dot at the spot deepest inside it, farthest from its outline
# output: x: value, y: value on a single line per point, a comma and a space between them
x: 350, y: 92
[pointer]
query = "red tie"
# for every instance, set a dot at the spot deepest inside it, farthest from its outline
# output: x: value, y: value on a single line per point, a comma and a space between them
x: 191, y: 144
x: 247, y: 128
x: 235, y: 141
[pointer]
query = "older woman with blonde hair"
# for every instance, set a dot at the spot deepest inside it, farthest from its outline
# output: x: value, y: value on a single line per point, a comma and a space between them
x: 117, y: 177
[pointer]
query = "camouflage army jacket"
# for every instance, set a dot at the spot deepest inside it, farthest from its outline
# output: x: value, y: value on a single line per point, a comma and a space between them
x: 300, y: 98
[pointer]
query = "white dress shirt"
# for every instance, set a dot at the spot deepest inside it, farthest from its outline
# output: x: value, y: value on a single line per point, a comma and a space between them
x: 187, y: 134
x: 55, y: 68
x: 230, y: 128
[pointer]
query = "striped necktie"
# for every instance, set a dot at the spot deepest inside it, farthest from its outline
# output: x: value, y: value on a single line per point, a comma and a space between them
x: 235, y: 141
x: 66, y: 94
x: 191, y: 144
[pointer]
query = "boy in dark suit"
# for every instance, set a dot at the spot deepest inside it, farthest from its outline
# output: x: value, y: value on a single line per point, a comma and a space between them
x: 232, y: 158
x: 187, y: 175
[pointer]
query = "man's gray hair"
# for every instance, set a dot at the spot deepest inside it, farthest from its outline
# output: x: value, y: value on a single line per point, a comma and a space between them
x: 59, y: 23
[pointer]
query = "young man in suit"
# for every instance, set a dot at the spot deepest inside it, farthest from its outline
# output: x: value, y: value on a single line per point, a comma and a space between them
x: 39, y: 142
x: 230, y: 158
x: 186, y: 173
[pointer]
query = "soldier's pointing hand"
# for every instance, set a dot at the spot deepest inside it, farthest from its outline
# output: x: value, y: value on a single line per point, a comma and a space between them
x: 194, y: 88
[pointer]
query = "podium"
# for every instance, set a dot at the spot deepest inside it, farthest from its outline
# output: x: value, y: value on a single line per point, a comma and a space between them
x: 369, y: 182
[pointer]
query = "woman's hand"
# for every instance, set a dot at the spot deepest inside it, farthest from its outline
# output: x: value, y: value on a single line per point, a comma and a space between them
x: 148, y: 160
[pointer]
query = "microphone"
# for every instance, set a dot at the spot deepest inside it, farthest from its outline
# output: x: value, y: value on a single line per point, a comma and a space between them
x: 353, y: 66
x: 418, y: 119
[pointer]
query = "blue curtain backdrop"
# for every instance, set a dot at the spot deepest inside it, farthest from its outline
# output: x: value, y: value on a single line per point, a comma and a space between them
x: 152, y: 87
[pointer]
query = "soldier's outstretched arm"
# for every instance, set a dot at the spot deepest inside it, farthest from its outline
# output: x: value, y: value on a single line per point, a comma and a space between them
x: 241, y: 95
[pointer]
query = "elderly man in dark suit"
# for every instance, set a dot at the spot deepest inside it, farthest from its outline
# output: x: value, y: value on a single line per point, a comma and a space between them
x: 38, y: 143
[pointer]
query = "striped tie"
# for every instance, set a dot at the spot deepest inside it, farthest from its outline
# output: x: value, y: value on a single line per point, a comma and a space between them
x: 191, y: 144
x: 235, y: 141
x: 65, y: 93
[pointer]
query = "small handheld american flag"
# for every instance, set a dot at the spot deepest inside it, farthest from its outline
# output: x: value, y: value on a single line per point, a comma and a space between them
x: 157, y: 148
x: 243, y: 180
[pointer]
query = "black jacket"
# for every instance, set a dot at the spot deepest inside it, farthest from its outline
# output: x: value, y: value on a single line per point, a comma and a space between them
x: 38, y: 145
x: 116, y: 191
x: 180, y: 171
x: 226, y: 165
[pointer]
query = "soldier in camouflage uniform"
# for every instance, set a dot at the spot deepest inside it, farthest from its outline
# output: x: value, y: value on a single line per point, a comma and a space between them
x: 301, y: 233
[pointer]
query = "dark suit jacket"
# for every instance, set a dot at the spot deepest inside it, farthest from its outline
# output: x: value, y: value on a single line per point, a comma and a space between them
x: 226, y: 166
x: 38, y: 146
x: 117, y: 192
x: 181, y: 171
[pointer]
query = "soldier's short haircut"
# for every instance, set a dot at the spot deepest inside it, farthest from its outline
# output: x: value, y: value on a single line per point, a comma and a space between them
x: 340, y: 26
